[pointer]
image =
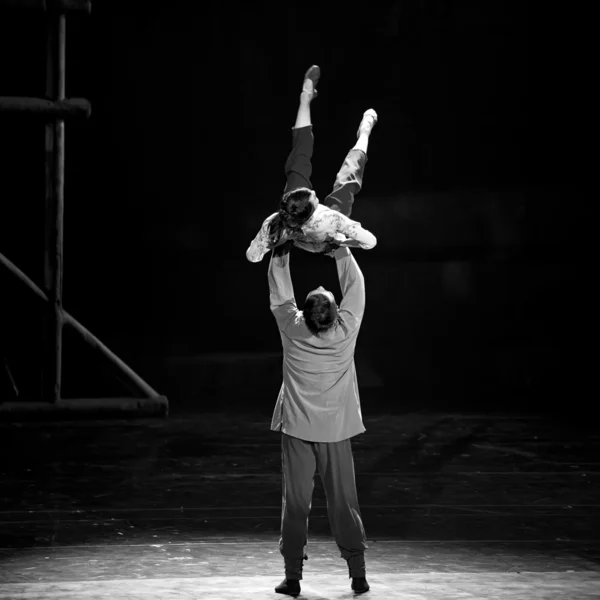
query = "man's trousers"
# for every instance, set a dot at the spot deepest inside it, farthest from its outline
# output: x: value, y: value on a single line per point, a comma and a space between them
x: 335, y: 464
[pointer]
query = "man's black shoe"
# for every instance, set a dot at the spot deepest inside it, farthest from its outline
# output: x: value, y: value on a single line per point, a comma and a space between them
x: 360, y: 585
x: 291, y: 587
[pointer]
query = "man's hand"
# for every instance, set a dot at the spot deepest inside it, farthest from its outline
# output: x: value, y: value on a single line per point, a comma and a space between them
x: 338, y: 237
x: 345, y: 242
x: 284, y: 248
x: 330, y: 248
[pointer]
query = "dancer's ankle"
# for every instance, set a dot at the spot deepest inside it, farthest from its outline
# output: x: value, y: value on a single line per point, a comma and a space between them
x: 307, y: 97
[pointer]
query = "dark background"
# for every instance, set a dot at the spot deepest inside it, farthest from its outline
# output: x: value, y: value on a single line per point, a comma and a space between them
x: 478, y: 291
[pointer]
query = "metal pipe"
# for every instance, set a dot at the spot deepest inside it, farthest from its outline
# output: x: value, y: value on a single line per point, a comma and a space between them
x: 71, y: 6
x: 50, y: 109
x: 55, y: 173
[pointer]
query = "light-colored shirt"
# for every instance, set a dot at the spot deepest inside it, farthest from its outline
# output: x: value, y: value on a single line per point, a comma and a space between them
x: 318, y: 400
x: 324, y: 225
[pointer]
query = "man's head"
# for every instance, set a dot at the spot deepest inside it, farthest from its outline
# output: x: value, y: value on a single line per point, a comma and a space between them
x: 297, y: 206
x: 320, y: 311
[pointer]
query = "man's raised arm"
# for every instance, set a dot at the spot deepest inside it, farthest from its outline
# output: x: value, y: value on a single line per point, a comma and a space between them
x: 352, y: 283
x: 281, y: 290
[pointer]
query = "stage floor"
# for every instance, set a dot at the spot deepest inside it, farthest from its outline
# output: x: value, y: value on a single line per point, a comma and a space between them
x: 454, y: 505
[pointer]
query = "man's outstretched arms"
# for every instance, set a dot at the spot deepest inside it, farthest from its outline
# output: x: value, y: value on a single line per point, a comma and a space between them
x: 281, y: 290
x: 352, y: 283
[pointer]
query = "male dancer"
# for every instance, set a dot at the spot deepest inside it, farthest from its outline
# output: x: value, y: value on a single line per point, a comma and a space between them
x: 313, y: 226
x: 318, y: 408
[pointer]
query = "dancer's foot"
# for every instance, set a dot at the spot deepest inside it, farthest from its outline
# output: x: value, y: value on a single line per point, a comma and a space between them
x: 291, y: 587
x: 311, y: 80
x: 360, y: 585
x: 368, y: 122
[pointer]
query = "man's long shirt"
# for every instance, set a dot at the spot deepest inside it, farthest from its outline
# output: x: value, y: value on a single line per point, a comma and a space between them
x: 318, y: 400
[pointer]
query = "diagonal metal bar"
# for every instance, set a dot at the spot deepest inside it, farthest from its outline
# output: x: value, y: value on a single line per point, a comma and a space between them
x: 136, y: 383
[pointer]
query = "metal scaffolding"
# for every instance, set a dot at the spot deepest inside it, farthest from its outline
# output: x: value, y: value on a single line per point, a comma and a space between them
x: 55, y: 108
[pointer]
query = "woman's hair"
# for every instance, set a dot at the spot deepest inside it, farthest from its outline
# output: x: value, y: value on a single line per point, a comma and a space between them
x: 294, y: 210
x: 320, y: 314
x: 295, y: 207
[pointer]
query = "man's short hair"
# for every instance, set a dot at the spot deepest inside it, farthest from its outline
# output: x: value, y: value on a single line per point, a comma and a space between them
x: 295, y: 207
x: 320, y: 313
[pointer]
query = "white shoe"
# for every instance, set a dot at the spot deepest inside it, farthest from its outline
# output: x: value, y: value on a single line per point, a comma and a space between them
x: 368, y: 122
x: 311, y: 80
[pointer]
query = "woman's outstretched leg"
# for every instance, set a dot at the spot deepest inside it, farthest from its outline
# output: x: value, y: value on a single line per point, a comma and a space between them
x: 298, y: 166
x: 348, y: 181
x: 299, y: 200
